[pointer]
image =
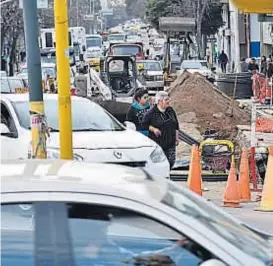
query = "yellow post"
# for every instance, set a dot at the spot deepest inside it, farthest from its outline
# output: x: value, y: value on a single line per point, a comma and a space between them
x: 63, y: 78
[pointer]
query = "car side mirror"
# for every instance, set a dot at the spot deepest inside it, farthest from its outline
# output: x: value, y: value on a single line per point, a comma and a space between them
x: 83, y: 48
x: 178, y: 68
x: 130, y: 125
x: 213, y: 69
x: 213, y: 262
x: 4, y: 130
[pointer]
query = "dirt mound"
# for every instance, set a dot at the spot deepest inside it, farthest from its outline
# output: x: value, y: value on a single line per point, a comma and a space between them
x: 193, y: 93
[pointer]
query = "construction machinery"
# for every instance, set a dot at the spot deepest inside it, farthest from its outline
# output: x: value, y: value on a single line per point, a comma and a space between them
x: 179, y: 28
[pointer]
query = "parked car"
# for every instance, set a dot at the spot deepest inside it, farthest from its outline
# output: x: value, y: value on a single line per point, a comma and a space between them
x: 97, y: 135
x: 66, y: 212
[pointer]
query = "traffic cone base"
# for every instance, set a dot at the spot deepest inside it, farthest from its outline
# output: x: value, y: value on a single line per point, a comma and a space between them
x: 234, y: 204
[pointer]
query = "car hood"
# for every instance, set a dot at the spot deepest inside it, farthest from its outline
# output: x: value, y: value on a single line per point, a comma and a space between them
x: 104, y: 140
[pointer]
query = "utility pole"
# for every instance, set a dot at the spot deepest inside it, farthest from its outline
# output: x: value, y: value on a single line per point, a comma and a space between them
x: 37, y: 117
x: 63, y: 76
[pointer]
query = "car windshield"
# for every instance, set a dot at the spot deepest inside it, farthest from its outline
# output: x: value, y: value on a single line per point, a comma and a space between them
x: 214, y: 220
x: 194, y: 65
x: 93, y: 42
x: 93, y: 54
x: 5, y: 88
x: 126, y: 50
x: 86, y: 116
x: 116, y: 37
x: 48, y: 71
x: 152, y: 66
x: 16, y: 83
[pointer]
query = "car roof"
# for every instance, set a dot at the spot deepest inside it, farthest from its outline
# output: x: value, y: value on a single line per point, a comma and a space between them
x: 72, y: 176
x: 42, y: 65
x: 194, y: 61
x: 21, y: 97
x: 148, y: 61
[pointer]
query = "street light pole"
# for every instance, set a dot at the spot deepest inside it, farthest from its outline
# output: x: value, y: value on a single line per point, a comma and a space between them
x: 63, y: 76
x: 37, y: 117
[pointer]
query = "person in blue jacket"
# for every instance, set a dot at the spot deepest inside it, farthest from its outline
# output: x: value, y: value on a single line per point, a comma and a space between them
x: 138, y: 109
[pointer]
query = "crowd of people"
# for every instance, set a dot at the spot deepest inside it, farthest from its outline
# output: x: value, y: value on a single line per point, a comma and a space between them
x: 265, y: 67
x: 156, y: 120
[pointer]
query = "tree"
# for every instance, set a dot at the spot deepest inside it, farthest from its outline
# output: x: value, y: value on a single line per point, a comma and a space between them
x: 11, y: 29
x: 135, y: 8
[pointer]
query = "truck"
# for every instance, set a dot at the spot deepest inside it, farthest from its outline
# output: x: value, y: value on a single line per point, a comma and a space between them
x: 76, y: 39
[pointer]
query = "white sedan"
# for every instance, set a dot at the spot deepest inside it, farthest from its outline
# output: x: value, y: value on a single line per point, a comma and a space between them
x: 97, y: 136
x: 71, y: 213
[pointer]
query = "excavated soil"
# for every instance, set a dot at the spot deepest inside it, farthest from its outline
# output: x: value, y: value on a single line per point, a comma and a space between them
x: 192, y: 93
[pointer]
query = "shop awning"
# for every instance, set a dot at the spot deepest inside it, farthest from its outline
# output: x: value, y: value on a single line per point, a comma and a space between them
x: 255, y: 6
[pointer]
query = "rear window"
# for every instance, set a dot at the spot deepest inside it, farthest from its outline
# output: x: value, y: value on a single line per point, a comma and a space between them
x: 126, y: 50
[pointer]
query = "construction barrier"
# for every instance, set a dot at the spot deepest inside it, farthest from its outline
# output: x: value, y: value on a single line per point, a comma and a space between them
x: 261, y: 87
x: 264, y: 125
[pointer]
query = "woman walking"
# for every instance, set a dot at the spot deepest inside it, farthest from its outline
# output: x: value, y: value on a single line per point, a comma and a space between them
x: 138, y: 109
x: 162, y: 124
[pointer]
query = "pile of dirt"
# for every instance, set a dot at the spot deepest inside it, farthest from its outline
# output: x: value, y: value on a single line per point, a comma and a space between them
x: 213, y: 109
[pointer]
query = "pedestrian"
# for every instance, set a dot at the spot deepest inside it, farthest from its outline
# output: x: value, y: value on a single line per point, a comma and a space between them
x: 263, y: 65
x: 163, y: 126
x: 269, y: 68
x: 223, y: 60
x: 253, y: 66
x: 141, y: 77
x: 138, y: 109
x: 80, y: 81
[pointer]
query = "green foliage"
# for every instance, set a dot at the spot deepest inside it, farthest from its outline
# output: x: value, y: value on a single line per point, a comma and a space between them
x: 211, y: 21
x: 135, y: 8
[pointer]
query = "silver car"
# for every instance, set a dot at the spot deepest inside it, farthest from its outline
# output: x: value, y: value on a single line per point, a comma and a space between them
x: 72, y: 213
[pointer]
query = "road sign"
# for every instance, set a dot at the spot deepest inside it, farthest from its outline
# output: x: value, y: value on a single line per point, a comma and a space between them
x: 88, y: 17
x: 107, y: 12
x: 40, y: 4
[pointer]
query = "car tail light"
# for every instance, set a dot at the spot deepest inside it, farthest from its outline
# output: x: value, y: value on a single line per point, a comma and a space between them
x: 73, y: 91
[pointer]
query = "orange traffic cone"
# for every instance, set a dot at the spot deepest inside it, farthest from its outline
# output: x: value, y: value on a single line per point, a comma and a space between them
x: 267, y: 194
x: 195, y: 177
x: 231, y: 197
x: 244, y: 186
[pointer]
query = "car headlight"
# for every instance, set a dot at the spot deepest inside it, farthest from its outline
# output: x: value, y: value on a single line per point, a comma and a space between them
x: 159, y: 78
x: 158, y: 155
x: 56, y: 154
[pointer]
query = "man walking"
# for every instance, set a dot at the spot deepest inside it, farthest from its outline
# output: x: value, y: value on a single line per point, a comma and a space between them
x: 223, y: 60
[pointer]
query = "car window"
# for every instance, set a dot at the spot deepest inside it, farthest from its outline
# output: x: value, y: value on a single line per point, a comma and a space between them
x: 5, y: 88
x: 86, y: 115
x: 17, y: 235
x: 236, y: 234
x: 126, y: 49
x: 48, y: 71
x: 113, y: 236
x: 16, y: 83
x: 191, y: 65
x: 7, y: 119
x: 152, y: 66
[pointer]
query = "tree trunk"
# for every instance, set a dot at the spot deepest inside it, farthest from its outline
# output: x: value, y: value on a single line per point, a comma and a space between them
x: 12, y: 56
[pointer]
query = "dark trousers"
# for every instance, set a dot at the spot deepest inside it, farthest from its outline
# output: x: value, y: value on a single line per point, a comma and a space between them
x: 224, y: 67
x: 171, y: 156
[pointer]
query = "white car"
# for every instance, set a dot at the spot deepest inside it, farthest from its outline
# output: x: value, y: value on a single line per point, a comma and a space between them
x: 97, y: 136
x: 72, y: 213
x: 197, y: 66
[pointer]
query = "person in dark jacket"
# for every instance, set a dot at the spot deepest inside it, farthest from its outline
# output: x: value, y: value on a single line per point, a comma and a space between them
x: 253, y: 66
x: 138, y: 109
x: 269, y: 68
x: 163, y: 126
x: 223, y: 60
x: 263, y: 65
